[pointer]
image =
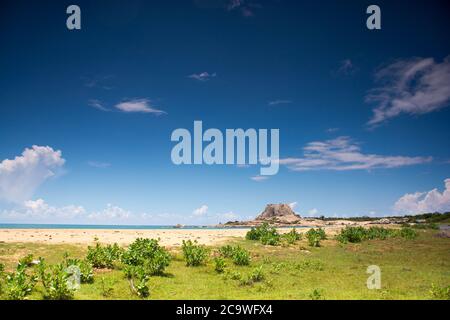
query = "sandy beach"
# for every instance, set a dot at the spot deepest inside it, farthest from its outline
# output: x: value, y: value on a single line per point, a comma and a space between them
x: 169, y: 237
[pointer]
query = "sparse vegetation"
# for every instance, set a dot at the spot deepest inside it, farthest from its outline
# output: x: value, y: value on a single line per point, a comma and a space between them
x: 314, y: 236
x: 194, y: 254
x: 104, y: 256
x: 359, y: 234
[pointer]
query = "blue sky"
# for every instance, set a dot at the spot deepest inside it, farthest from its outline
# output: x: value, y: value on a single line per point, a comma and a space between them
x: 311, y: 69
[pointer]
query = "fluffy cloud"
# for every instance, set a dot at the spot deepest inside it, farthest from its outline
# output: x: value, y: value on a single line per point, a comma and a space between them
x: 138, y: 105
x: 425, y: 202
x: 39, y: 210
x: 110, y: 212
x: 20, y: 177
x: 415, y: 86
x: 343, y: 154
x: 203, y: 76
x: 200, y: 211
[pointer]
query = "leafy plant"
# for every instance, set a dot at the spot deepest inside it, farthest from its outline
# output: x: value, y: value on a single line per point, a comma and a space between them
x: 55, y: 282
x: 148, y: 254
x: 84, y: 266
x: 18, y: 284
x: 241, y: 257
x: 104, y: 256
x: 256, y: 275
x: 266, y: 234
x: 408, y: 233
x: 358, y: 234
x: 314, y: 236
x: 27, y: 261
x: 316, y: 294
x: 219, y: 264
x: 193, y: 253
x: 106, y: 287
x: 226, y: 251
x: 292, y: 236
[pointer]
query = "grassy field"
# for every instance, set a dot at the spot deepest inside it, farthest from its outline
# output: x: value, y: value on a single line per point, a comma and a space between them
x: 332, y: 271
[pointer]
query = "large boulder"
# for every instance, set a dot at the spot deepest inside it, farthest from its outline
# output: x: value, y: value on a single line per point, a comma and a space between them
x: 281, y: 213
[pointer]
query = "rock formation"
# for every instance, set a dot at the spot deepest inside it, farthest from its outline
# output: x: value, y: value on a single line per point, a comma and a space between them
x: 281, y: 213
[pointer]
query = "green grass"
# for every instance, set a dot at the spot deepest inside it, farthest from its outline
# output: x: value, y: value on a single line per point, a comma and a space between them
x: 333, y: 271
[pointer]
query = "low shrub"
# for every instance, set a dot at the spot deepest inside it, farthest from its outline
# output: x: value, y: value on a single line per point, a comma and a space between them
x: 56, y: 282
x: 264, y: 233
x: 226, y: 251
x: 241, y: 257
x: 314, y: 236
x: 148, y: 254
x: 359, y: 234
x: 84, y: 266
x: 219, y: 264
x: 104, y: 256
x: 27, y: 261
x: 256, y: 275
x: 18, y: 284
x: 408, y: 233
x: 292, y: 236
x: 194, y: 254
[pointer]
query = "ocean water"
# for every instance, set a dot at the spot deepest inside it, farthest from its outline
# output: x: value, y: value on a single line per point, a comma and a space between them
x: 107, y: 227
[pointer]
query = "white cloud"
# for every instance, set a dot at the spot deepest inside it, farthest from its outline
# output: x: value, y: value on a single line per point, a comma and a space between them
x: 200, y: 211
x: 39, y: 210
x: 110, y: 212
x: 313, y: 212
x: 138, y: 105
x: 346, y: 67
x: 278, y: 102
x: 415, y: 86
x: 343, y: 154
x: 425, y: 202
x: 259, y: 178
x: 20, y: 177
x: 203, y: 76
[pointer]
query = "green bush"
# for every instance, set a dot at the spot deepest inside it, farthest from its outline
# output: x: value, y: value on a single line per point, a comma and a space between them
x: 256, y: 275
x: 266, y: 234
x: 226, y: 251
x: 358, y: 234
x: 408, y: 233
x: 219, y: 264
x: 148, y: 254
x: 193, y: 253
x: 104, y: 256
x: 314, y: 236
x: 241, y: 257
x: 85, y: 267
x: 27, y: 261
x: 18, y: 284
x: 292, y: 236
x: 55, y: 282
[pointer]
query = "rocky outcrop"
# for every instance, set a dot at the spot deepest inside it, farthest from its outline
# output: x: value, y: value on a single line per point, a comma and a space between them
x: 280, y: 213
